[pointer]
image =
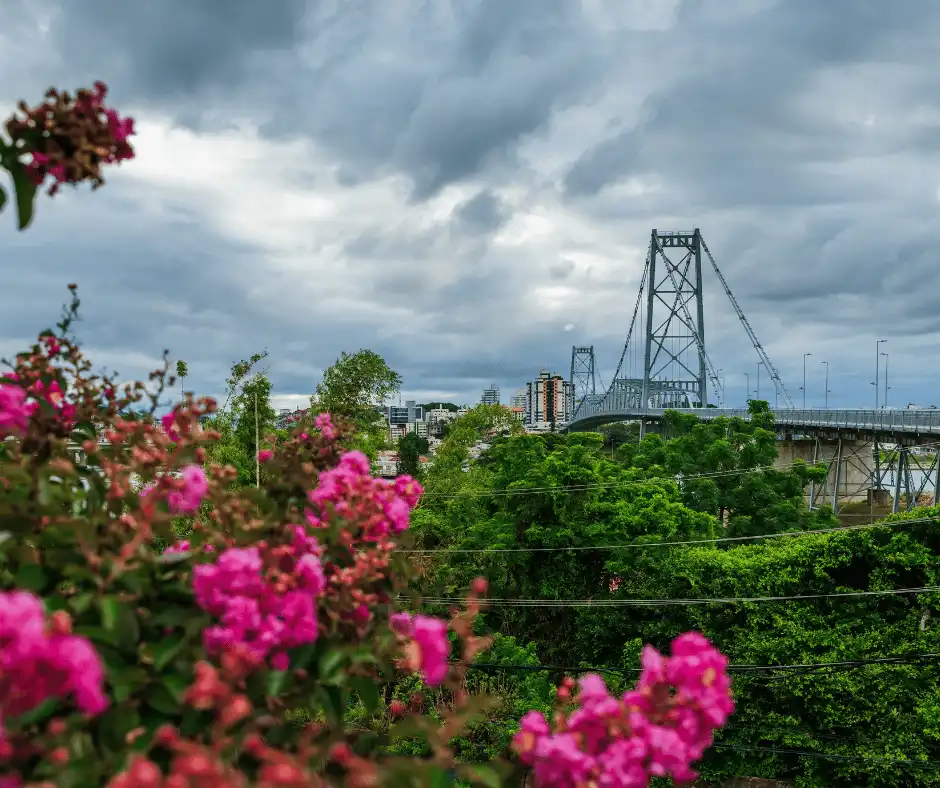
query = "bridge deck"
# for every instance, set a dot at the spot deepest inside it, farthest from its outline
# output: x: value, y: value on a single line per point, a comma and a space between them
x: 902, y: 423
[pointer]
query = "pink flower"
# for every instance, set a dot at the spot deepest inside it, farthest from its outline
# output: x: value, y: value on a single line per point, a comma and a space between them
x: 178, y: 548
x: 350, y: 492
x: 657, y: 730
x: 188, y: 499
x: 324, y: 423
x: 264, y: 455
x: 39, y: 664
x: 430, y: 637
x: 254, y: 613
x: 168, y: 420
x: 15, y: 411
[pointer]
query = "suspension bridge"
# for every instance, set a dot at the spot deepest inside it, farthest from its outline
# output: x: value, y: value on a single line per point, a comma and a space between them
x: 871, y: 453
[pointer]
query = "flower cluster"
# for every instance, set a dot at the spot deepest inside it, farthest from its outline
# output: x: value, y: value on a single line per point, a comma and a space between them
x: 428, y: 647
x: 43, y: 660
x: 377, y: 507
x: 264, y: 597
x: 34, y: 385
x: 70, y: 138
x: 649, y: 732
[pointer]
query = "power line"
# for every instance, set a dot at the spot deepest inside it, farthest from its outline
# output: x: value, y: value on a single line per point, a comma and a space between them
x: 668, y: 602
x: 679, y: 543
x: 901, y: 659
x: 828, y: 756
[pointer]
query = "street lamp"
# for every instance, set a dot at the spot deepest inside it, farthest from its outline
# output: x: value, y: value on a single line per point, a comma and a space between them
x: 804, y: 378
x: 826, y: 406
x: 877, y: 359
x: 885, y: 403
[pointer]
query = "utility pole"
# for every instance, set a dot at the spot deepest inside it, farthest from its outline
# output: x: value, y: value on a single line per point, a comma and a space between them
x: 826, y: 406
x: 804, y: 378
x: 877, y: 360
x: 257, y: 445
x: 885, y: 403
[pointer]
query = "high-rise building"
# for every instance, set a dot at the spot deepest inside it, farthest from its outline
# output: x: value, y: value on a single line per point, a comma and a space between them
x: 518, y: 399
x: 548, y: 401
x: 490, y: 395
x: 403, y: 414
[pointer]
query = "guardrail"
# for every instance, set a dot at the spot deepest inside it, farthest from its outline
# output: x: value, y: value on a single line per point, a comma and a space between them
x: 914, y: 421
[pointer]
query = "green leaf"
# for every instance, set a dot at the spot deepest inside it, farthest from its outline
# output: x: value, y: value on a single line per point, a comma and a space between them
x: 163, y: 701
x: 329, y: 666
x: 41, y: 713
x: 166, y: 649
x: 120, y: 620
x: 334, y: 704
x: 30, y: 577
x: 177, y: 685
x: 276, y: 681
x: 483, y: 775
x: 25, y: 191
x: 368, y: 691
x: 84, y: 430
x: 115, y: 724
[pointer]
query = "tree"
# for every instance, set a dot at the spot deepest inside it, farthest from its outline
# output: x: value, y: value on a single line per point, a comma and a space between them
x: 353, y: 385
x: 410, y: 449
x: 725, y: 467
x: 445, y: 405
x: 255, y: 418
x: 182, y: 371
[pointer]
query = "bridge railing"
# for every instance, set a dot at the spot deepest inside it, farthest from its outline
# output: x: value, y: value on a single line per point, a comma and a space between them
x: 927, y: 420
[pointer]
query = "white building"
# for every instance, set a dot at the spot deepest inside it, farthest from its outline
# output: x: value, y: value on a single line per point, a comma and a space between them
x: 435, y: 415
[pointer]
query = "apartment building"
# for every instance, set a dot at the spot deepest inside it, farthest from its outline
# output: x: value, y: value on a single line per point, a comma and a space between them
x: 548, y: 401
x: 490, y: 395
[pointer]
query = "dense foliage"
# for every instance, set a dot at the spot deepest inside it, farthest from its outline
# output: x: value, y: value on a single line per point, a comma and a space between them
x: 551, y: 500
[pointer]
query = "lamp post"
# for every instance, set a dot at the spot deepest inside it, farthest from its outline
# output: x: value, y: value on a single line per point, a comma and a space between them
x: 804, y: 378
x: 826, y: 394
x: 747, y: 387
x: 884, y: 404
x: 877, y: 359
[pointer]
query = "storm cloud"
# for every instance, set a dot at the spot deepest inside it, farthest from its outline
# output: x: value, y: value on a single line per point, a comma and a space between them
x: 468, y: 187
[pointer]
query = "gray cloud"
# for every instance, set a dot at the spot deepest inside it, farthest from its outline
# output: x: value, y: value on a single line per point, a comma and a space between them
x: 466, y: 179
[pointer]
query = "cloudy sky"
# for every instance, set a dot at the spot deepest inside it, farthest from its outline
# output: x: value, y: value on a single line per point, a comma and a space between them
x: 468, y: 186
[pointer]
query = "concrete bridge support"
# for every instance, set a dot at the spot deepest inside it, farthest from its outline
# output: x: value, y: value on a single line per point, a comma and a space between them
x: 851, y: 468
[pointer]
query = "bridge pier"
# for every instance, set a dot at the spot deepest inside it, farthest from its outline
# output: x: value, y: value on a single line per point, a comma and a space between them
x: 851, y: 468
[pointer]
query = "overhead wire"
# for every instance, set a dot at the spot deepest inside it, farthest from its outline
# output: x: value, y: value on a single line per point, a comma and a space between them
x: 614, y: 602
x: 900, y: 659
x: 674, y: 543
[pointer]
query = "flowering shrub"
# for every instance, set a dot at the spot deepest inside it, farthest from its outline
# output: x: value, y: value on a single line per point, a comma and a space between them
x: 130, y: 666
x: 66, y: 138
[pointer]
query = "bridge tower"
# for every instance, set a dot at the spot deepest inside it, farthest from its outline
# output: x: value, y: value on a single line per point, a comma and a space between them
x: 675, y: 364
x: 582, y: 377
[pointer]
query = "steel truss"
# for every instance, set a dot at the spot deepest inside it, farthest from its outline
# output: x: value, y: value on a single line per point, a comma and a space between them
x: 582, y: 379
x: 877, y: 473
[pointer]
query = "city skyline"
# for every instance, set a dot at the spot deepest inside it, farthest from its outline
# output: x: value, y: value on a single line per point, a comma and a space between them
x: 472, y: 213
